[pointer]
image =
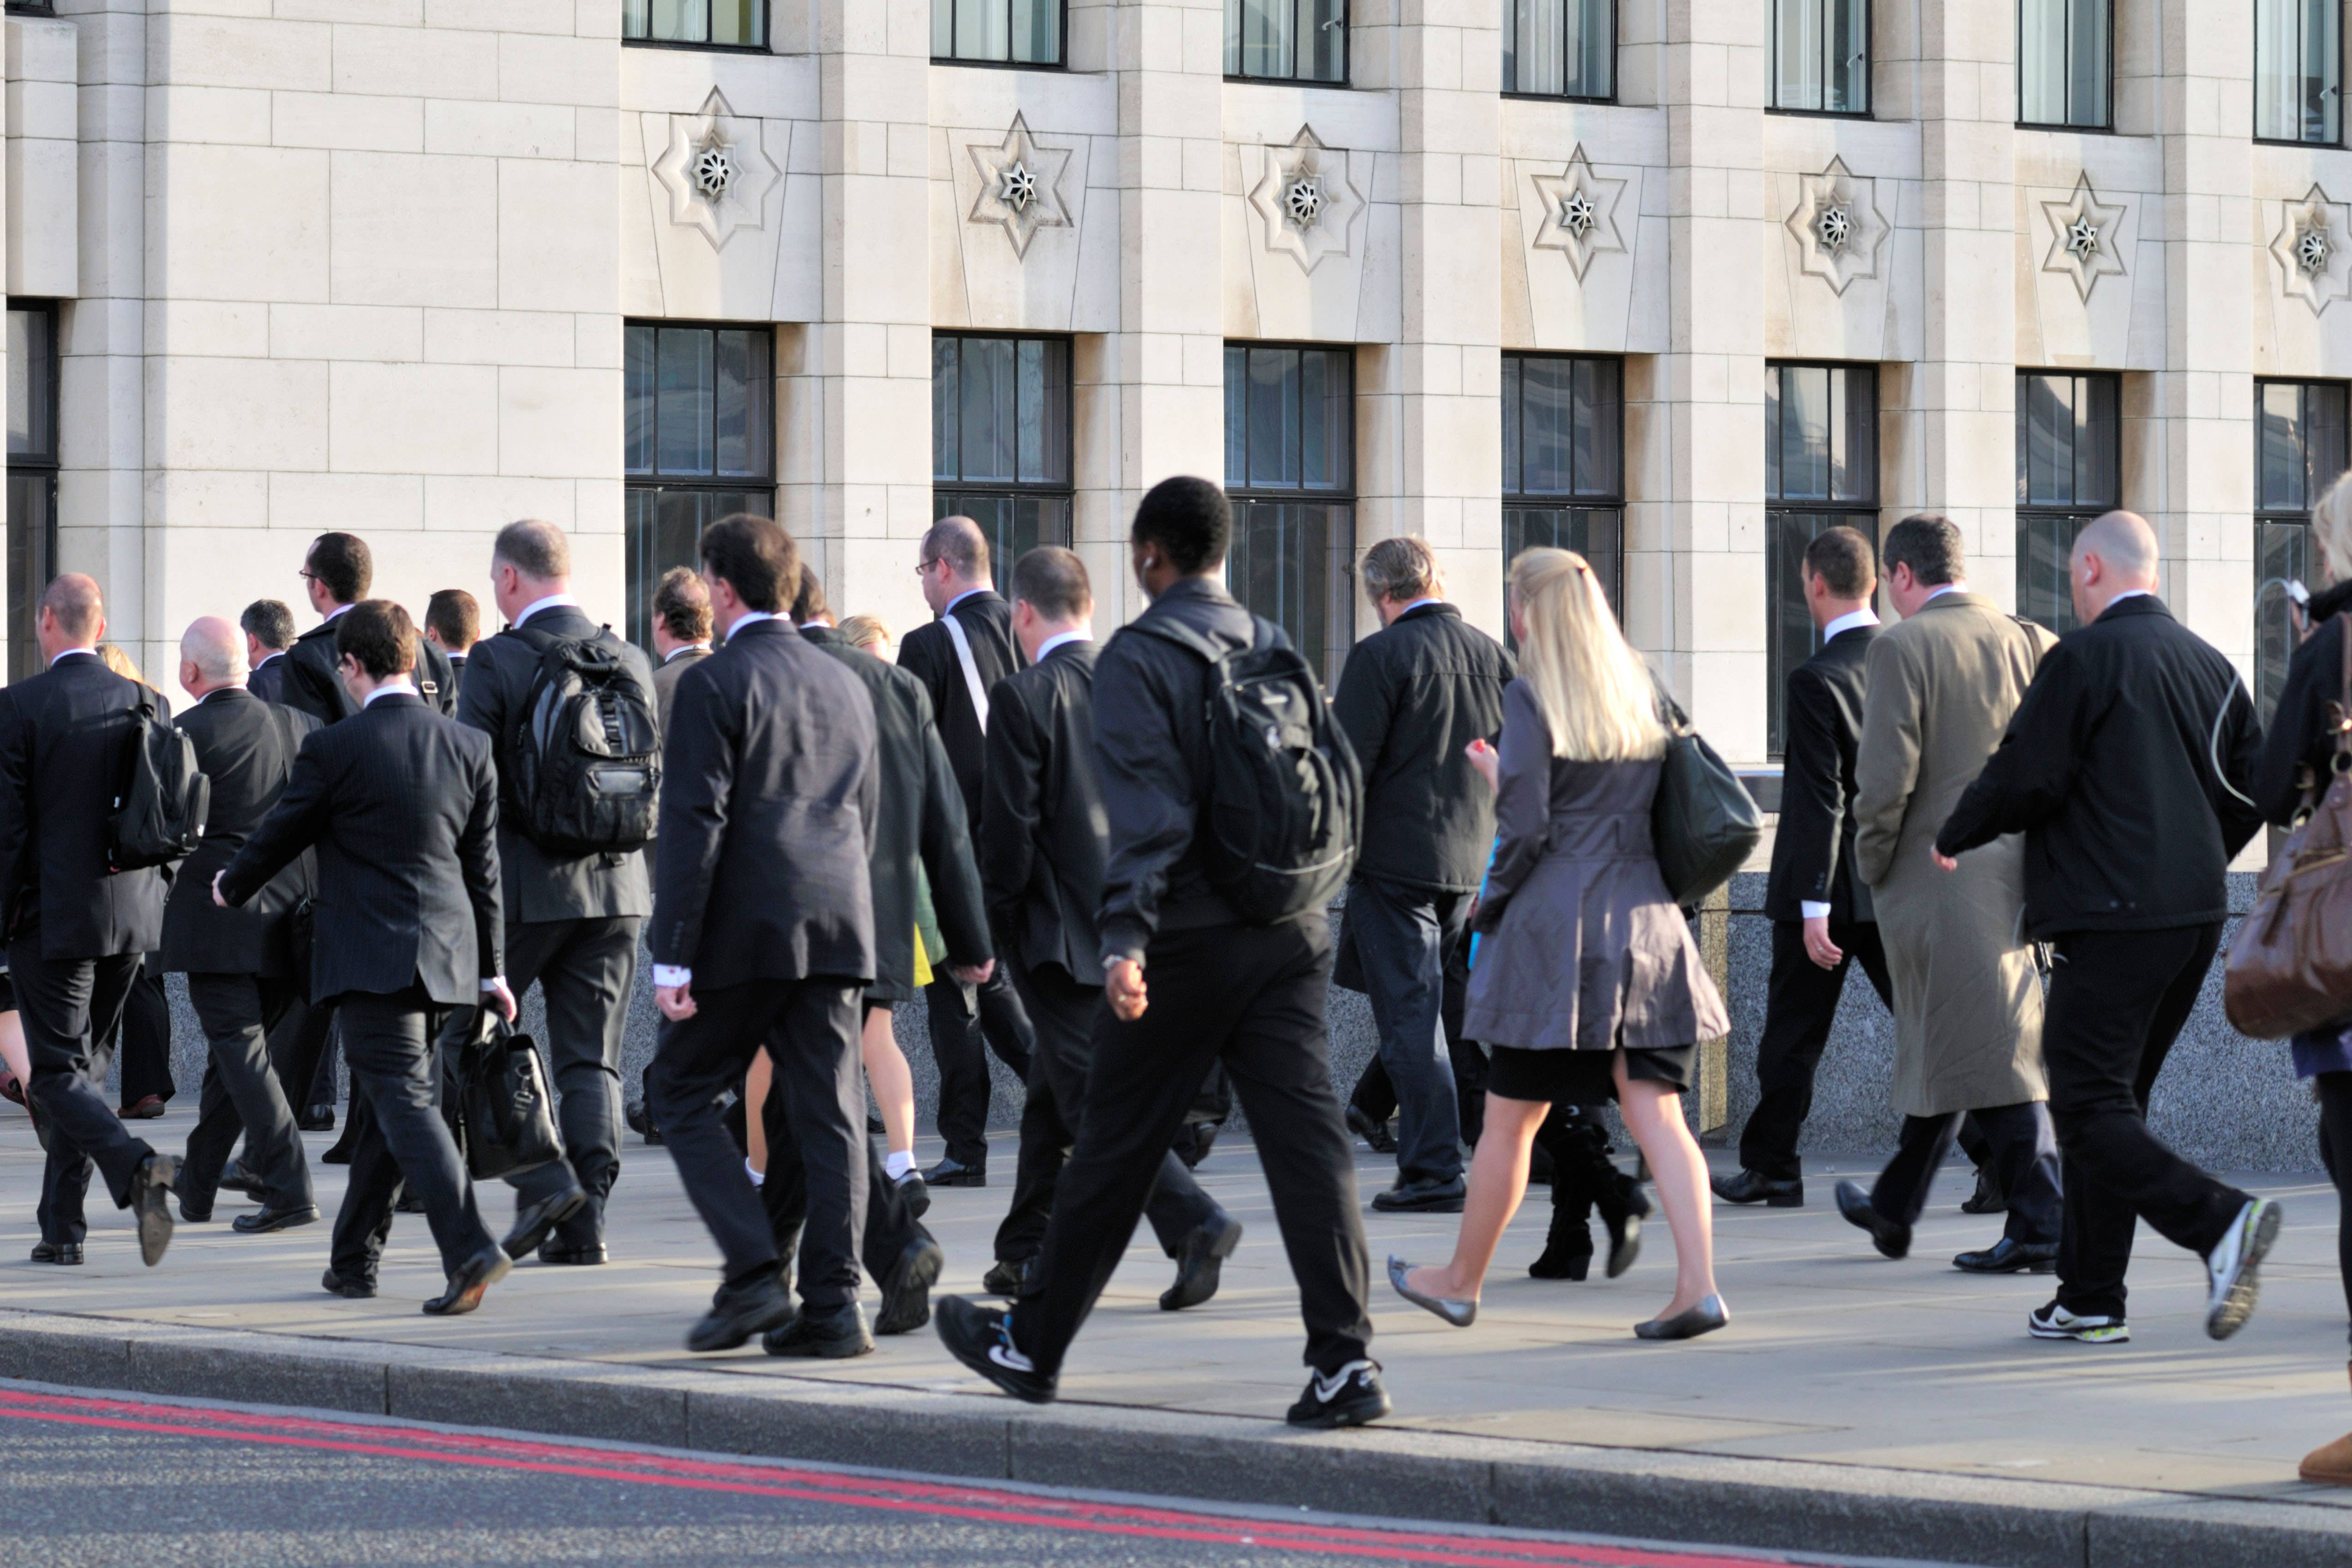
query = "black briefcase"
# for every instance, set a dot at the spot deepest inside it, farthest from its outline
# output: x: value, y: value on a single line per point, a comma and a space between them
x: 503, y: 1104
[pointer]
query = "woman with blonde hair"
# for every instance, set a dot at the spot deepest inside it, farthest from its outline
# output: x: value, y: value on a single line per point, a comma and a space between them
x: 1586, y: 982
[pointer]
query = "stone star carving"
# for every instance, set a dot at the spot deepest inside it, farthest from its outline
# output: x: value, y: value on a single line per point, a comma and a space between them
x: 1020, y: 185
x: 2313, y: 250
x: 1579, y: 213
x: 1838, y: 229
x: 1308, y: 205
x: 2086, y: 238
x: 717, y: 174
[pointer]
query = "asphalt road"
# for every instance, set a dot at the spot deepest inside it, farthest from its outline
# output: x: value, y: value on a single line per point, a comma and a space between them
x: 105, y: 1480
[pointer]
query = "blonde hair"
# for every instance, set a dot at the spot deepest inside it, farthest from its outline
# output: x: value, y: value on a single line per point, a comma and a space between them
x: 1594, y: 691
x: 115, y: 660
x: 2331, y: 530
x: 866, y: 631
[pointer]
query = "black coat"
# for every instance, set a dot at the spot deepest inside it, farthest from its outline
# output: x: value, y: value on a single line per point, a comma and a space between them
x: 919, y: 828
x: 2301, y: 733
x: 1412, y: 696
x: 247, y: 748
x: 930, y: 654
x: 403, y: 807
x: 1812, y: 848
x: 313, y: 682
x: 540, y: 886
x: 64, y: 750
x: 2109, y: 769
x: 770, y: 797
x: 1043, y: 832
x: 267, y: 680
x: 457, y: 675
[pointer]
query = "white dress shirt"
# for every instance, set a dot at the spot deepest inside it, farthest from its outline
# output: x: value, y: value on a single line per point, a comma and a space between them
x: 1047, y: 648
x: 548, y: 603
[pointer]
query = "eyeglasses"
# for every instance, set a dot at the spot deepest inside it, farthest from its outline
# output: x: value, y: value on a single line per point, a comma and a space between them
x: 923, y: 566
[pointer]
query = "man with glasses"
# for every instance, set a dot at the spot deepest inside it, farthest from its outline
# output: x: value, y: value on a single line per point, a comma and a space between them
x: 337, y: 574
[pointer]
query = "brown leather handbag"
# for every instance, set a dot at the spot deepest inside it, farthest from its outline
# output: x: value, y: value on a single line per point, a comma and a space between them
x: 2290, y: 966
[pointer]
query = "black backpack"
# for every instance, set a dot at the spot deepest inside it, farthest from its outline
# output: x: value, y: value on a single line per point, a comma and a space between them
x: 583, y: 761
x: 1278, y: 833
x: 159, y: 811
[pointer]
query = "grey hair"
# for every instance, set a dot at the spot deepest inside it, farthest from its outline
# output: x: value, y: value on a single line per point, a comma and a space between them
x: 537, y: 550
x: 215, y: 647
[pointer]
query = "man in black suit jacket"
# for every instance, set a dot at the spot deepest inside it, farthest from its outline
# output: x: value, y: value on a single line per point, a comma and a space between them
x: 764, y: 935
x: 268, y: 627
x: 1044, y: 836
x: 337, y: 574
x: 1819, y: 905
x: 571, y: 921
x: 960, y: 657
x: 75, y: 929
x: 681, y: 616
x: 402, y: 806
x: 239, y: 962
x: 453, y: 624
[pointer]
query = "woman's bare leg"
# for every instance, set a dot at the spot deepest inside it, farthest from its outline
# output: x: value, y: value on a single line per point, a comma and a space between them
x: 1654, y: 1114
x: 1499, y: 1180
x: 893, y: 1082
x: 13, y: 1055
x: 755, y: 1098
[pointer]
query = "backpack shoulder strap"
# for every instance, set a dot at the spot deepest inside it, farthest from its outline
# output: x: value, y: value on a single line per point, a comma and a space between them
x: 971, y: 681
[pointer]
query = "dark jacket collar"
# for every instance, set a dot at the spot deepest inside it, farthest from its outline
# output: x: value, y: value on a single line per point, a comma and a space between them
x: 231, y: 694
x: 1086, y: 650
x: 2331, y: 601
x: 978, y: 598
x: 824, y: 636
x: 1436, y: 607
x: 1190, y: 590
x: 2138, y: 604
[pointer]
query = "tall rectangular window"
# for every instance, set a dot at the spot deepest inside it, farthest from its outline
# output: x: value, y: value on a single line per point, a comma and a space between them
x: 2298, y: 70
x: 1559, y: 48
x: 2065, y: 52
x: 1820, y: 56
x: 2300, y: 446
x: 2069, y: 469
x: 1290, y: 470
x: 1001, y: 440
x: 1820, y: 471
x: 720, y: 23
x: 1564, y: 461
x: 1009, y: 32
x: 698, y: 444
x: 1286, y: 40
x: 32, y: 475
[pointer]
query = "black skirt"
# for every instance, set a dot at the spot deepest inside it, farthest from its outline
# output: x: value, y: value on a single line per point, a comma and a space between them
x: 1584, y: 1078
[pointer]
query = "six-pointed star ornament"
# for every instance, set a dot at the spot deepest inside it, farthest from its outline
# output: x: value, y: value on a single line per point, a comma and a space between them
x: 716, y: 172
x: 2313, y: 249
x: 1838, y: 226
x: 1307, y: 203
x: 2086, y: 238
x: 1579, y: 213
x: 1020, y: 185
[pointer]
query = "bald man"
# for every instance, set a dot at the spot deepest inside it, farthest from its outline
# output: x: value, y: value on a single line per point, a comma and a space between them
x: 2127, y: 767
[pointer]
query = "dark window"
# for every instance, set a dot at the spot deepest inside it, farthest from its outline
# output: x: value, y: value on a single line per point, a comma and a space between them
x: 700, y: 444
x: 1001, y: 440
x: 2298, y: 70
x: 32, y: 475
x: 32, y: 8
x: 1820, y: 56
x: 2300, y: 445
x: 1564, y: 461
x: 2064, y: 60
x: 1290, y: 470
x: 1003, y: 32
x: 720, y: 23
x: 1820, y: 471
x: 1288, y: 40
x: 2069, y: 468
x: 1559, y: 48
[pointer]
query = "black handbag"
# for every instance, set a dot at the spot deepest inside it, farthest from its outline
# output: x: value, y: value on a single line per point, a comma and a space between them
x: 503, y: 1104
x: 1703, y: 824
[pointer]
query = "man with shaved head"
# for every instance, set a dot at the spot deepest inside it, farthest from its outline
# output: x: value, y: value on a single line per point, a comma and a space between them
x: 2127, y: 768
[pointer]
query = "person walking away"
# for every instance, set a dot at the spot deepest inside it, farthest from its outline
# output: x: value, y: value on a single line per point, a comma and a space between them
x: 337, y: 570
x: 681, y: 632
x: 453, y: 624
x: 268, y: 627
x: 143, y: 1046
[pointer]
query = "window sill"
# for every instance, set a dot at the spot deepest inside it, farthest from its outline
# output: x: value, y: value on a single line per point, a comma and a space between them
x: 1055, y: 66
x: 1818, y: 113
x: 697, y: 49
x: 1232, y: 80
x: 2076, y: 129
x: 1560, y: 98
x: 2334, y: 146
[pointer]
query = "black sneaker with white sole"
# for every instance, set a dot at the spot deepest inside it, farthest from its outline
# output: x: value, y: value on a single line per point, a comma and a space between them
x: 1351, y: 1396
x: 2052, y: 1321
x: 982, y: 1337
x: 2234, y: 1267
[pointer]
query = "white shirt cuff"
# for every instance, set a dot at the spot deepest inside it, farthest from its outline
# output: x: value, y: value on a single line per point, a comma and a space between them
x: 493, y: 983
x: 1813, y: 912
x: 672, y: 975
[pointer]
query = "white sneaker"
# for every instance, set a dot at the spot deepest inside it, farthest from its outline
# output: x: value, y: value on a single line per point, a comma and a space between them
x: 2055, y: 1323
x: 2234, y: 1266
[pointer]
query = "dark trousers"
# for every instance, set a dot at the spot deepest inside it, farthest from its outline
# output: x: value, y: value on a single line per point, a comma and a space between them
x: 297, y: 1049
x: 1253, y: 997
x: 392, y: 1042
x: 890, y: 1225
x: 68, y: 1006
x: 1376, y: 1097
x: 146, y: 1054
x: 2022, y: 1152
x: 2335, y: 1153
x: 810, y: 1029
x: 1801, y: 1002
x: 966, y: 1022
x: 585, y: 969
x: 1065, y: 1013
x: 1402, y: 936
x: 2118, y: 1001
x: 241, y: 1093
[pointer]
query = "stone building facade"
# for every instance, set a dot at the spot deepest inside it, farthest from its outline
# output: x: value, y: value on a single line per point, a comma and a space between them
x: 1701, y: 275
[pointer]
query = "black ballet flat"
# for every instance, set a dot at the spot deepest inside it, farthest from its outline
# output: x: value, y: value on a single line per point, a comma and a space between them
x: 1702, y: 1318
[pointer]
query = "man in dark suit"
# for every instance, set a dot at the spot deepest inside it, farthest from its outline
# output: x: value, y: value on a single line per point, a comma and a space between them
x: 764, y: 937
x: 453, y: 623
x: 239, y: 962
x: 402, y: 806
x: 268, y: 627
x: 299, y: 1052
x: 1043, y: 839
x: 681, y: 613
x: 1822, y: 923
x: 75, y: 929
x: 960, y: 657
x: 572, y: 921
x: 336, y: 574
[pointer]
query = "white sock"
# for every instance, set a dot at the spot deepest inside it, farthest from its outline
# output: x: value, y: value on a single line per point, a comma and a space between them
x: 897, y: 1163
x: 754, y: 1172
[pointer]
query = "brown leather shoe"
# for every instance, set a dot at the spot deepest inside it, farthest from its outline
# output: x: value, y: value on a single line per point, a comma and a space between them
x: 146, y: 1108
x: 2329, y: 1465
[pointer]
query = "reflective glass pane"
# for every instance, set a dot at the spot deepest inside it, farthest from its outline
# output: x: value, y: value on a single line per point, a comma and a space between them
x: 684, y: 374
x: 1294, y: 564
x: 1773, y: 486
x: 2087, y: 61
x: 1854, y: 471
x: 1847, y: 87
x: 744, y: 23
x: 32, y: 384
x: 982, y: 30
x: 2282, y: 555
x: 742, y: 401
x: 1548, y: 425
x: 1038, y: 32
x: 947, y: 359
x: 32, y: 561
x: 1261, y: 37
x: 1788, y: 626
x: 1323, y: 54
x: 1592, y: 48
x: 2041, y: 61
x: 2043, y: 594
x: 1797, y: 54
x: 2279, y: 448
x: 637, y: 18
x: 1804, y: 433
x: 1274, y: 418
x: 2097, y: 443
x: 2324, y: 435
x: 1320, y: 462
x: 988, y: 411
x: 1600, y: 448
x: 1596, y: 534
x: 680, y: 21
x: 943, y: 29
x: 1511, y: 363
x: 2045, y: 452
x: 1237, y: 394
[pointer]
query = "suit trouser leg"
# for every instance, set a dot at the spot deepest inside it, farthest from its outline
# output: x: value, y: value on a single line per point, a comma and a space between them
x: 2118, y: 1001
x: 890, y: 1224
x: 2020, y: 1146
x: 1801, y: 1003
x: 1403, y: 936
x: 815, y: 1118
x: 1901, y: 1190
x: 585, y: 969
x: 146, y: 1053
x: 966, y: 1021
x: 66, y: 1007
x: 205, y: 1154
x: 390, y: 1044
x: 237, y: 1012
x: 1374, y: 1095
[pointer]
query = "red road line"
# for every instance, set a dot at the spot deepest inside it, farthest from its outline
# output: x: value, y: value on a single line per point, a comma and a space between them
x: 973, y: 1503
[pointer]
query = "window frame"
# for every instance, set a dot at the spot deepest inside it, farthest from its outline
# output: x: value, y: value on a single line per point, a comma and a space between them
x: 1613, y: 571
x: 42, y: 465
x: 1347, y: 54
x: 1609, y: 97
x: 2105, y: 127
x: 1869, y: 64
x: 2267, y: 517
x: 767, y: 30
x: 1338, y: 635
x: 1862, y: 515
x: 32, y: 8
x: 1065, y: 489
x: 2335, y: 87
x: 1062, y: 33
x: 2080, y: 512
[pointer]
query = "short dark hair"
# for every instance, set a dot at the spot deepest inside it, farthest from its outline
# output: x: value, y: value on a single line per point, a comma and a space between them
x: 1055, y: 581
x: 341, y: 561
x: 962, y: 543
x: 1928, y: 543
x: 1187, y: 518
x: 809, y: 605
x: 76, y: 602
x: 535, y: 549
x: 682, y: 605
x: 1841, y: 557
x: 754, y: 556
x: 268, y: 623
x: 454, y: 618
x: 379, y: 636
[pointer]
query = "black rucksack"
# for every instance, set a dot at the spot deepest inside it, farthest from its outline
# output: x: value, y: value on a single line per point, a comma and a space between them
x: 160, y: 809
x: 1277, y: 832
x: 583, y: 760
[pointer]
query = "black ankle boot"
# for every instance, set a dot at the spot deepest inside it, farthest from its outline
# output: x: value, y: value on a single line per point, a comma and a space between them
x: 1568, y: 1249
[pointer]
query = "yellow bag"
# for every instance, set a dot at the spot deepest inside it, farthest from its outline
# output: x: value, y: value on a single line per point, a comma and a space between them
x: 922, y: 962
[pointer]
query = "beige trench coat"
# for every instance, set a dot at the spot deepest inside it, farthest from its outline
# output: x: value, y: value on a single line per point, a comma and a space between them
x: 1968, y: 1002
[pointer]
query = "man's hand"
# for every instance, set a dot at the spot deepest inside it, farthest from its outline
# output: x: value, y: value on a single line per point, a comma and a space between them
x: 216, y: 893
x: 1123, y: 988
x: 973, y: 974
x: 675, y: 1002
x: 1944, y: 860
x: 501, y: 997
x: 1483, y: 757
x: 1818, y: 945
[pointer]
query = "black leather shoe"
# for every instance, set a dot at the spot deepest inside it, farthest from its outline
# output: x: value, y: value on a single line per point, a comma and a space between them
x: 191, y: 1214
x: 268, y: 1219
x: 581, y: 1256
x: 1422, y: 1198
x: 67, y: 1252
x: 837, y: 1335
x: 641, y: 1122
x: 1004, y: 1278
x: 906, y: 1288
x: 151, y: 1192
x: 982, y: 1337
x: 1986, y: 1199
x: 1892, y: 1239
x: 534, y: 1223
x: 409, y: 1201
x: 916, y: 1192
x: 316, y: 1118
x: 335, y: 1284
x: 1375, y: 1135
x: 950, y: 1174
x: 1688, y: 1324
x: 1567, y: 1251
x: 239, y: 1178
x: 339, y: 1152
x: 1747, y: 1187
x: 1201, y: 1264
x: 738, y: 1311
x: 468, y: 1281
x: 2009, y: 1256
